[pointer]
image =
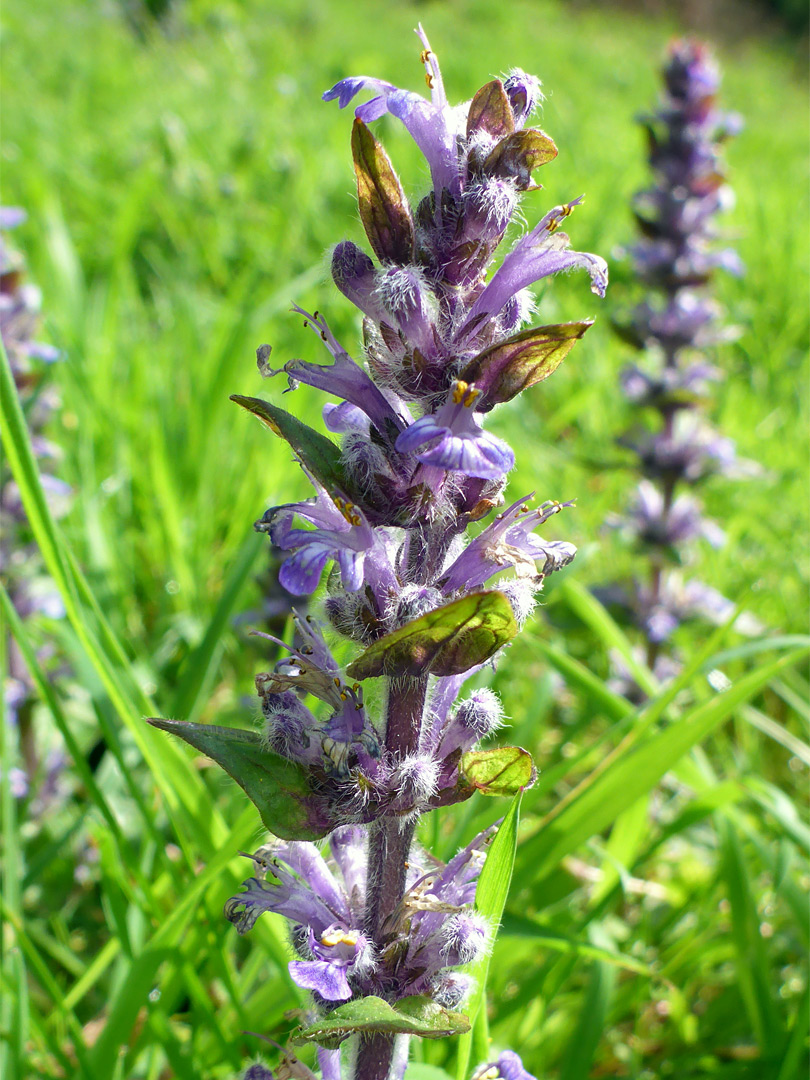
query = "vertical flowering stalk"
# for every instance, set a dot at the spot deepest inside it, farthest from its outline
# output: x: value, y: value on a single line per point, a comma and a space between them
x: 20, y: 563
x: 379, y: 926
x: 677, y: 256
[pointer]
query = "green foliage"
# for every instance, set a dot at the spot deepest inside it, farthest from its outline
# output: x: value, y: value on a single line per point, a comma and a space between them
x: 182, y: 187
x: 503, y: 770
x: 411, y: 1016
x: 446, y: 641
x: 279, y: 789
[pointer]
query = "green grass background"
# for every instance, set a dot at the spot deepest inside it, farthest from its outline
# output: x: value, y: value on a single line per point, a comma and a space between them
x: 183, y: 187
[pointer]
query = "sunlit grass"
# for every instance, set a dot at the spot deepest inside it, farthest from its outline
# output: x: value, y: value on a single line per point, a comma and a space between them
x: 182, y: 191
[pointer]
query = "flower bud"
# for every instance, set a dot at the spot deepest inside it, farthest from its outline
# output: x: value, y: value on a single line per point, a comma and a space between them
x: 524, y: 94
x: 464, y: 938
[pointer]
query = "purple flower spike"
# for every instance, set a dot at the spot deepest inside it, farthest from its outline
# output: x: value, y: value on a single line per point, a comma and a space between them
x: 455, y: 440
x: 509, y: 541
x: 372, y: 913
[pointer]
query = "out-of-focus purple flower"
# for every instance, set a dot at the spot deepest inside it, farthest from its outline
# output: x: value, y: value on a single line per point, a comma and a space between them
x: 454, y: 438
x: 30, y: 590
x: 669, y: 387
x: 689, y: 452
x: 507, y: 1067
x: 661, y: 525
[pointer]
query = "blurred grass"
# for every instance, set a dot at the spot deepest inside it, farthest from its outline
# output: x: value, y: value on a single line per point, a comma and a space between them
x: 182, y: 187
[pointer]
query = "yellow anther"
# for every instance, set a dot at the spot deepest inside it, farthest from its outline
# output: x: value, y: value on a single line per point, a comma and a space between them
x: 459, y: 390
x: 423, y: 56
x: 337, y: 683
x: 340, y: 937
x: 355, y: 687
x: 343, y: 695
x: 355, y: 519
x: 565, y: 211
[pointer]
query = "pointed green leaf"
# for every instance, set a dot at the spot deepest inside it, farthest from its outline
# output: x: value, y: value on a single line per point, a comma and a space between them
x: 503, y: 770
x: 491, y: 112
x: 320, y: 455
x: 279, y: 789
x: 383, y: 206
x: 503, y: 370
x: 411, y: 1016
x: 447, y: 641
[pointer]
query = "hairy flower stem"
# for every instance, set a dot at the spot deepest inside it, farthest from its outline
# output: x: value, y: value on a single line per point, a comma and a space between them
x: 389, y: 843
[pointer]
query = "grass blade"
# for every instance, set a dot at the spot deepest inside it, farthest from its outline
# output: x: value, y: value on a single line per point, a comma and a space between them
x: 490, y: 901
x: 599, y: 799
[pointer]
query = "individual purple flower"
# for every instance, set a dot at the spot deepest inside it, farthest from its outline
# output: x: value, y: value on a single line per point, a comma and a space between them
x: 454, y: 439
x: 310, y: 891
x: 346, y: 739
x: 542, y: 252
x: 341, y: 533
x: 475, y: 719
x: 344, y: 377
x: 510, y: 542
x: 507, y: 1067
x: 433, y: 125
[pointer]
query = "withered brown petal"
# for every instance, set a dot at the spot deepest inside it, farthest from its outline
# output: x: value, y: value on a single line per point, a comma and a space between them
x: 503, y: 370
x: 490, y: 111
x: 384, y: 208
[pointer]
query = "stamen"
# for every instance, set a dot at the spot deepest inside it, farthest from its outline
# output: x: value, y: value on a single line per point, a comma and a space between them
x: 565, y: 211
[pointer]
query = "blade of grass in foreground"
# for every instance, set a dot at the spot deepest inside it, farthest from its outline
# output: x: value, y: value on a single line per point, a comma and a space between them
x: 46, y: 692
x: 600, y: 798
x: 490, y: 900
x: 181, y: 786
